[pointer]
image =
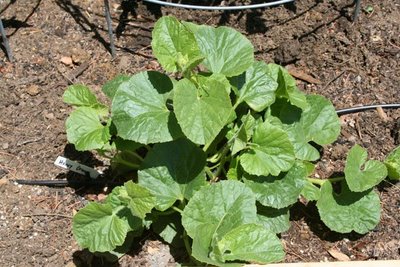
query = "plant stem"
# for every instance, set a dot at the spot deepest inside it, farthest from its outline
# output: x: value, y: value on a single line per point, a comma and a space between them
x: 209, y: 172
x: 176, y: 209
x: 221, y: 163
x: 186, y: 241
x: 320, y: 182
x: 136, y: 155
x: 127, y: 163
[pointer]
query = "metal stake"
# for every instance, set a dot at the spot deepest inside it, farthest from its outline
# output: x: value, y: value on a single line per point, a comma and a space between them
x: 357, y: 9
x: 5, y: 42
x: 109, y: 27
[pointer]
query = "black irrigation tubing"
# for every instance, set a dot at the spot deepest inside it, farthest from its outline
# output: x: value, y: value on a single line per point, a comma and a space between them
x: 222, y: 8
x: 363, y: 108
x: 5, y: 42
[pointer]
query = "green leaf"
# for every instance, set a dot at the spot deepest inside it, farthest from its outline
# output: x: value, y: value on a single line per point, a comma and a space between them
x: 226, y: 50
x: 173, y: 171
x: 259, y: 90
x: 85, y: 130
x: 110, y: 87
x: 201, y: 112
x: 174, y: 45
x: 170, y: 229
x: 222, y: 221
x: 250, y: 242
x: 349, y: 211
x: 361, y: 174
x: 392, y: 163
x: 318, y: 123
x: 80, y: 95
x: 270, y: 152
x: 139, y: 109
x: 221, y: 207
x: 139, y: 200
x: 101, y: 228
x: 287, y: 87
x: 278, y: 192
x: 311, y: 192
x: 275, y: 220
x: 241, y: 134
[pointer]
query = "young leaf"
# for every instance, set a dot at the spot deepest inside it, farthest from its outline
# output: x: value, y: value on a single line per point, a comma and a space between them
x: 80, y: 96
x: 287, y: 87
x: 259, y: 90
x: 278, y: 192
x: 174, y: 45
x: 139, y: 109
x: 101, y: 228
x: 349, y: 211
x: 226, y: 50
x: 201, y: 112
x: 138, y: 199
x: 361, y: 174
x: 275, y: 220
x: 392, y: 163
x: 173, y: 171
x: 271, y: 152
x: 249, y: 242
x: 110, y: 87
x: 85, y: 130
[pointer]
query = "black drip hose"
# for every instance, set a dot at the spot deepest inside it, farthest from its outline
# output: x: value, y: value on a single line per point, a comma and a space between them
x: 363, y: 108
x: 94, y: 182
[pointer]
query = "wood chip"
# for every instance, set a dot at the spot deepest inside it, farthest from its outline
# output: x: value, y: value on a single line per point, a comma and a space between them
x: 382, y: 114
x: 299, y: 74
x: 33, y: 90
x: 338, y: 255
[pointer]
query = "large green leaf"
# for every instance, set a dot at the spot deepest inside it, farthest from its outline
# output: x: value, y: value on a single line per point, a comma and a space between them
x: 287, y: 87
x: 226, y: 50
x: 170, y: 229
x: 110, y: 87
x: 361, y: 174
x: 271, y: 151
x: 173, y: 171
x: 101, y: 228
x: 85, y: 130
x: 259, y: 90
x: 201, y: 112
x: 221, y: 207
x: 349, y: 211
x: 222, y: 221
x: 392, y: 163
x: 249, y: 242
x: 275, y: 220
x: 174, y: 45
x: 139, y: 109
x: 278, y: 192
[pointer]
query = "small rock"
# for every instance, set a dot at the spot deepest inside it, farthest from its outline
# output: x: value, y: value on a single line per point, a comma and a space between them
x: 49, y: 116
x: 79, y: 55
x: 5, y: 146
x: 67, y: 61
x: 33, y: 90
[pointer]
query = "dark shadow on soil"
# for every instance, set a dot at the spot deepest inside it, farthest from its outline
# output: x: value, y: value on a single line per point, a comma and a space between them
x: 7, y: 6
x: 82, y: 21
x: 22, y: 24
x: 128, y: 7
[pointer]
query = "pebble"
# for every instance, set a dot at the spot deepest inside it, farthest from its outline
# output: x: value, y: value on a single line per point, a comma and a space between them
x: 5, y: 146
x: 33, y: 90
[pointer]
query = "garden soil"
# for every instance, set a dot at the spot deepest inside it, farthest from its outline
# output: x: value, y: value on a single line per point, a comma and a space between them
x: 58, y: 42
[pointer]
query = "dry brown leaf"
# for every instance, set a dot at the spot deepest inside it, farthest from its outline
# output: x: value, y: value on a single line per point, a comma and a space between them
x: 33, y: 90
x: 382, y: 114
x: 299, y: 74
x: 338, y: 255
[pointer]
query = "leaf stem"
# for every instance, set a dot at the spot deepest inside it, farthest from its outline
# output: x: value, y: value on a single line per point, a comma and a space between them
x: 176, y: 209
x: 127, y: 163
x: 221, y: 163
x: 186, y: 242
x: 209, y: 172
x: 320, y: 182
x: 136, y: 155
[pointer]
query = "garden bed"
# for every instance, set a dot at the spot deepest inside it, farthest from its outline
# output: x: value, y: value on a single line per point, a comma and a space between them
x: 56, y: 43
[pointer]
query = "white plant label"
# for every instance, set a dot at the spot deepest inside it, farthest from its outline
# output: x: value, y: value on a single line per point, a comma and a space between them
x: 76, y: 167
